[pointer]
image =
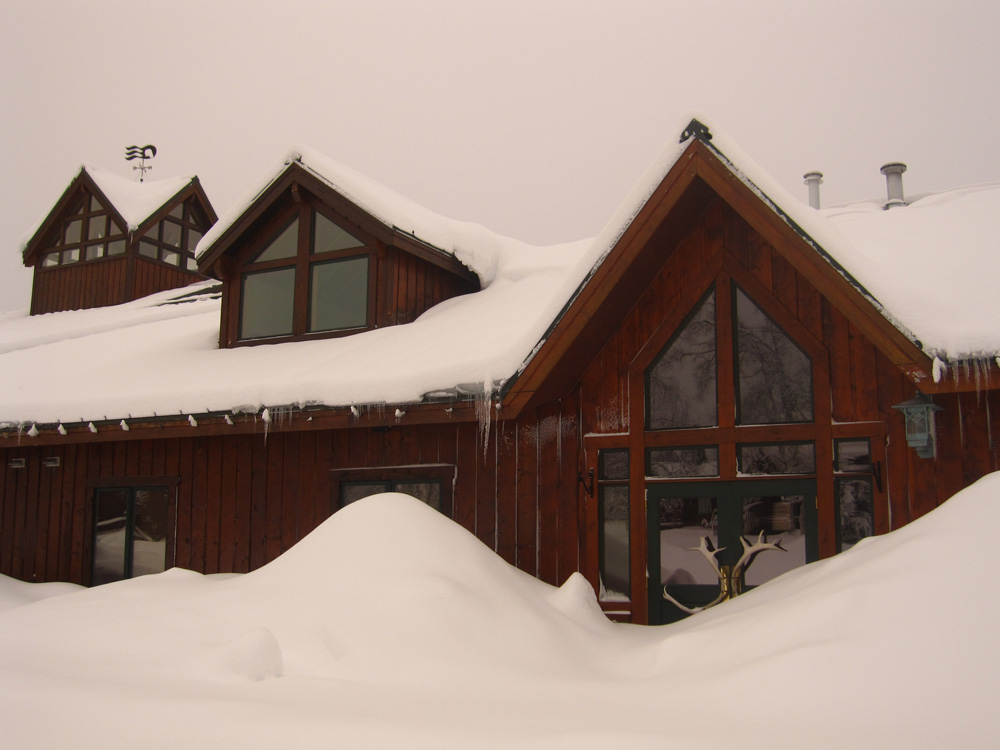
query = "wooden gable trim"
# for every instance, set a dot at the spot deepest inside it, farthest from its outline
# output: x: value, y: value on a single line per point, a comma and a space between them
x: 700, y: 172
x: 194, y: 189
x: 587, y: 321
x: 790, y: 243
x: 81, y: 185
x: 296, y: 177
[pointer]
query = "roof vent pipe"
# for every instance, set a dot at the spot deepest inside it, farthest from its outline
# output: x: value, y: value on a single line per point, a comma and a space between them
x: 813, y: 180
x: 893, y: 172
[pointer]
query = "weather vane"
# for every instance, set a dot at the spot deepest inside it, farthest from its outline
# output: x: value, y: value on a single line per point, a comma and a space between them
x: 141, y: 153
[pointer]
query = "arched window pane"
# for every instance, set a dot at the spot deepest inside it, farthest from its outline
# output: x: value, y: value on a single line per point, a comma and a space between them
x: 285, y: 245
x: 774, y: 380
x: 681, y: 385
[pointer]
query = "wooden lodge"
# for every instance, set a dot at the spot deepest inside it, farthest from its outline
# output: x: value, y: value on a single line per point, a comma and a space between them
x: 714, y: 369
x: 109, y: 240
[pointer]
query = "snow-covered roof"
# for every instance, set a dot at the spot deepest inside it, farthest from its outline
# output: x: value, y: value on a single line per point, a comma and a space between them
x: 133, y: 200
x: 136, y: 201
x: 929, y: 266
x: 472, y: 244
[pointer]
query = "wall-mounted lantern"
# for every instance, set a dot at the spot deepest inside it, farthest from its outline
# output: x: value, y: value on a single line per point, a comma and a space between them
x: 919, y: 415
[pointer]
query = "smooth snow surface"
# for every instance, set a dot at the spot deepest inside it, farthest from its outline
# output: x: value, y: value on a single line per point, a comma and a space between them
x: 390, y: 626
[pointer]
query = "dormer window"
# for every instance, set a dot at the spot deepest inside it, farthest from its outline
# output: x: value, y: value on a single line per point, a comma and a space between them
x: 172, y: 240
x: 302, y: 261
x: 311, y: 276
x: 87, y: 234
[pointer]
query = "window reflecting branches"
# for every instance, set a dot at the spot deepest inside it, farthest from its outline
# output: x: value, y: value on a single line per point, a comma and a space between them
x: 775, y: 375
x: 695, y: 461
x: 614, y: 541
x: 683, y: 522
x: 681, y: 383
x: 854, y: 497
x: 777, y: 458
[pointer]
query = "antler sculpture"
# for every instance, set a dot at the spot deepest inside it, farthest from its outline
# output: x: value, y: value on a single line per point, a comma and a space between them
x: 730, y: 577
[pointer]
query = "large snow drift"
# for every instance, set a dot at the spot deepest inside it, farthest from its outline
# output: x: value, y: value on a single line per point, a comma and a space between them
x: 390, y: 626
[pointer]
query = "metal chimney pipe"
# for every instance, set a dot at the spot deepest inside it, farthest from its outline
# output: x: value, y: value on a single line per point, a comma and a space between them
x: 893, y: 172
x: 813, y: 180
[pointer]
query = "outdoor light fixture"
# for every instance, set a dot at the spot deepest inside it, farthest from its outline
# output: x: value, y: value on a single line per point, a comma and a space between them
x: 919, y: 415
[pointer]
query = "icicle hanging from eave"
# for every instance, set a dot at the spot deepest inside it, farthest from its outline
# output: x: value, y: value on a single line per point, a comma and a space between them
x: 939, y: 369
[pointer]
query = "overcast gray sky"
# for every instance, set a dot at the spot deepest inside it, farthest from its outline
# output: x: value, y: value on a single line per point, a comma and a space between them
x: 533, y: 118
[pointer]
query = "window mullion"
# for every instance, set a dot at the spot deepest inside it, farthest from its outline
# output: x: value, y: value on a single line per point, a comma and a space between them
x: 304, y: 247
x: 726, y: 356
x: 129, y: 531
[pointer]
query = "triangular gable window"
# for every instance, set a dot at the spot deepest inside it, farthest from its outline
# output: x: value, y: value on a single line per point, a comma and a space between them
x: 681, y: 382
x: 285, y: 245
x: 774, y: 384
x: 773, y: 375
x: 328, y: 237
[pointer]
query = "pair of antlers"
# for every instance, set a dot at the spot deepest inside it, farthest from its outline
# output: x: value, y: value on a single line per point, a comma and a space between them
x: 727, y: 579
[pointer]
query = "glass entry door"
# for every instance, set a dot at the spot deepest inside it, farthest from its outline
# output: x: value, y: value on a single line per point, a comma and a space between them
x: 679, y: 514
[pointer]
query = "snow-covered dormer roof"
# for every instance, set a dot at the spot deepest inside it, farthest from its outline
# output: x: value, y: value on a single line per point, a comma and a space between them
x: 472, y: 244
x: 131, y: 201
x: 136, y: 201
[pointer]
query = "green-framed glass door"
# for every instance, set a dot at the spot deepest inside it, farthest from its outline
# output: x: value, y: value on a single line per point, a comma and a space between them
x: 678, y: 514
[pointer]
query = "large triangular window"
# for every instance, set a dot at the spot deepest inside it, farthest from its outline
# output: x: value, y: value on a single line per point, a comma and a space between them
x: 774, y: 376
x: 771, y: 381
x: 681, y: 384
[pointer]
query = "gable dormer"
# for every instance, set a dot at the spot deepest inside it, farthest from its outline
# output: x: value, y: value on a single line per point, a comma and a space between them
x: 303, y: 261
x: 110, y: 240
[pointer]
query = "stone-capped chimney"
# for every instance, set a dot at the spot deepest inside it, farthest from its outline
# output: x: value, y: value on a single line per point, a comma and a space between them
x: 893, y: 172
x: 813, y: 180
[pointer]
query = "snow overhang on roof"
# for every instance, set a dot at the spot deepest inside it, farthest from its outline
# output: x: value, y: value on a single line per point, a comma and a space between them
x: 134, y: 202
x: 137, y: 201
x: 472, y: 244
x: 927, y: 267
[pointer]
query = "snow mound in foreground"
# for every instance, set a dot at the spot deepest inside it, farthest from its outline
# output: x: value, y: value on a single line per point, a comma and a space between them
x: 385, y: 586
x: 390, y: 626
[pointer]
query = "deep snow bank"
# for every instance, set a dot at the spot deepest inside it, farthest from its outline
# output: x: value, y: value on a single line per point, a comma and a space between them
x: 390, y: 626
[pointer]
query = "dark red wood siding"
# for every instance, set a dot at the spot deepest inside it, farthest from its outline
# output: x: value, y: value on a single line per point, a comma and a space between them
x: 864, y: 385
x: 241, y: 501
x: 104, y: 282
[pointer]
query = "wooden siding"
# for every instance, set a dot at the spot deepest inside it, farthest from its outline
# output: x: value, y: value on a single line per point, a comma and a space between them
x: 104, y: 282
x: 242, y: 500
x: 96, y: 283
x: 409, y: 286
x: 152, y: 276
x: 864, y: 384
